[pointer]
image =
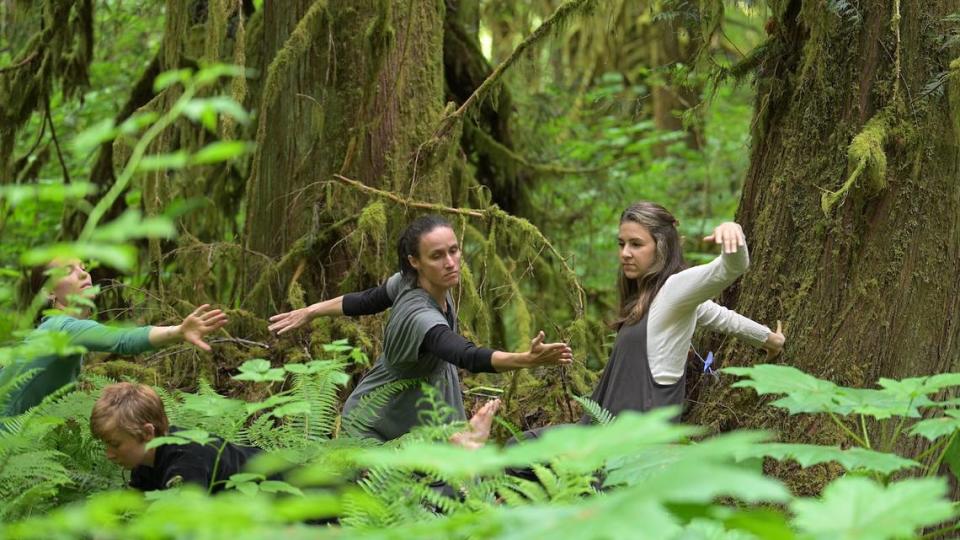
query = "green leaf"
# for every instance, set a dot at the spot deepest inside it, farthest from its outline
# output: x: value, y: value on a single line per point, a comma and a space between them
x: 810, y: 454
x: 272, y: 401
x: 211, y: 74
x: 934, y: 428
x: 805, y: 393
x: 169, y: 78
x: 138, y: 121
x: 197, y: 108
x: 187, y: 436
x: 291, y: 409
x: 57, y: 193
x: 132, y: 225
x: 276, y: 486
x: 256, y: 365
x: 158, y: 162
x: 89, y: 139
x: 122, y: 257
x: 859, y: 508
x: 220, y: 151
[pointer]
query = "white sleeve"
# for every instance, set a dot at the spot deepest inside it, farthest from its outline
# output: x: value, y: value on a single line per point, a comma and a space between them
x: 686, y: 290
x: 673, y: 314
x: 716, y: 317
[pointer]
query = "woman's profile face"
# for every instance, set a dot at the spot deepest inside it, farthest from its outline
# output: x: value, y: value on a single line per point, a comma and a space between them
x: 638, y: 250
x: 74, y: 283
x: 438, y: 258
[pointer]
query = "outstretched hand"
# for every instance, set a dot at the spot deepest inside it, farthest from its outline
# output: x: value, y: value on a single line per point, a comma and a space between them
x: 774, y: 343
x: 729, y: 235
x: 203, y: 321
x: 291, y: 320
x: 479, y: 430
x: 549, y: 353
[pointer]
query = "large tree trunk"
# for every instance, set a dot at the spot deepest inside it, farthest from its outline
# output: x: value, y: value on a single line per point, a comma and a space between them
x: 354, y: 88
x: 867, y: 281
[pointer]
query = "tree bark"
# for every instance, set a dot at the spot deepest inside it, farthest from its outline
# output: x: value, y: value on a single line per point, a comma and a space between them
x: 870, y: 287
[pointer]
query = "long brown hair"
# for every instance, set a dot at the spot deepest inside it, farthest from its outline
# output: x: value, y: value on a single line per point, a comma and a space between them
x: 636, y: 295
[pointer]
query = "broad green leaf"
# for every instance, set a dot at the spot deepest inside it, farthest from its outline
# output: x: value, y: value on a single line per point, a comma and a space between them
x: 220, y: 151
x: 256, y: 365
x: 138, y: 121
x: 934, y: 428
x: 810, y: 454
x: 859, y: 508
x: 169, y: 78
x: 17, y: 193
x: 196, y: 109
x: 187, y: 436
x: 244, y: 477
x: 276, y: 486
x: 291, y: 409
x: 211, y: 74
x: 272, y: 401
x: 160, y: 162
x: 951, y: 456
x: 880, y: 404
x: 805, y: 393
x: 122, y: 256
x: 89, y: 139
x: 271, y: 375
x: 132, y: 225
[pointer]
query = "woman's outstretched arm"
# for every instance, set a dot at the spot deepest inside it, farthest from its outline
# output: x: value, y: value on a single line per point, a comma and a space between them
x: 368, y: 302
x: 451, y: 347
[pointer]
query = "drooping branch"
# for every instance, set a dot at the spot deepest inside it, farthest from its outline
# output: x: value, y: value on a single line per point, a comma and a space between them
x: 491, y: 214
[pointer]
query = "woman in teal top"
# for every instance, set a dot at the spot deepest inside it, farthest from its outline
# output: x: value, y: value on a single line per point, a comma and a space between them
x: 54, y: 371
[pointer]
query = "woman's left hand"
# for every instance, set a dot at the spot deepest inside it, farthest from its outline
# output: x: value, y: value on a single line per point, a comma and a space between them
x: 729, y: 235
x: 201, y: 322
x: 774, y: 343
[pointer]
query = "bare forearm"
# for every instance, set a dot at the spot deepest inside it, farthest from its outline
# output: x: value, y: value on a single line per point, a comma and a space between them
x: 161, y: 336
x: 327, y: 308
x: 508, y: 361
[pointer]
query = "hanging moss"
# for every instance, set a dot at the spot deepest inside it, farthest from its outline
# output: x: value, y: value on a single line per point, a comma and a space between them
x: 954, y: 93
x: 373, y: 222
x: 864, y: 155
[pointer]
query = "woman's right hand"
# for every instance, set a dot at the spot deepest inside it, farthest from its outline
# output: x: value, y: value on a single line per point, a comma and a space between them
x: 774, y: 343
x: 282, y: 323
x: 729, y: 235
x: 542, y: 354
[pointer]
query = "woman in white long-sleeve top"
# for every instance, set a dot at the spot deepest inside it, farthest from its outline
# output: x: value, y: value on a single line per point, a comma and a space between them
x: 662, y: 303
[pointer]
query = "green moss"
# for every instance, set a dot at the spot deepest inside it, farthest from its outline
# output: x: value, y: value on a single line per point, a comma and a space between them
x: 865, y: 157
x: 373, y: 222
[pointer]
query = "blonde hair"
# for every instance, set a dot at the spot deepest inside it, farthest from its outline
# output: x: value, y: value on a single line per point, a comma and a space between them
x: 128, y: 406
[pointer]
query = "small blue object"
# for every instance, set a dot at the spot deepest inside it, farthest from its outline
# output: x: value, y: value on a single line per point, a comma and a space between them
x: 708, y: 362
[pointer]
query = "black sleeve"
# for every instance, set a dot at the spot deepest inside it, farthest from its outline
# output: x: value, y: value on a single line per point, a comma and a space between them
x: 452, y: 347
x: 188, y: 464
x: 368, y: 302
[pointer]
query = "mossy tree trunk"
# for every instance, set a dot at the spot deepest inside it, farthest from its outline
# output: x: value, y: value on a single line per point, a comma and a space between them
x: 354, y: 88
x: 851, y: 204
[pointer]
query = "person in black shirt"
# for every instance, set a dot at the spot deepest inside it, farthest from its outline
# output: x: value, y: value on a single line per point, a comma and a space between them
x: 128, y: 416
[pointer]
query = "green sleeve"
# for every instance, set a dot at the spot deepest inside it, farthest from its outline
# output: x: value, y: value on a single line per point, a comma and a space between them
x: 97, y: 337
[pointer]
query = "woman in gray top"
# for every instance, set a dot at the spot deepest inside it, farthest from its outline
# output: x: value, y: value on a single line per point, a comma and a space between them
x: 422, y: 339
x: 662, y: 303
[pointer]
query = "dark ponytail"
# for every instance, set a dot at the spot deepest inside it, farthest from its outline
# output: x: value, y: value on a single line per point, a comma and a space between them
x: 409, y: 243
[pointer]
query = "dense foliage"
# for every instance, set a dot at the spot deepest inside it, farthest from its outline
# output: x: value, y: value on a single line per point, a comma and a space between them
x: 585, y: 141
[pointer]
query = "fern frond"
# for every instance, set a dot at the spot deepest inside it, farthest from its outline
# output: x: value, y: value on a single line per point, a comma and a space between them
x: 595, y: 410
x: 362, y: 418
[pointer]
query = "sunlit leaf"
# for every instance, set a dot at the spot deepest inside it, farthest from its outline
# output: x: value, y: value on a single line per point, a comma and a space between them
x: 859, y: 508
x: 220, y: 151
x: 810, y: 454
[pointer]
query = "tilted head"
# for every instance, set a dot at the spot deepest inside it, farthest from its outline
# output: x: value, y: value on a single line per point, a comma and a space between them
x: 650, y: 252
x: 429, y: 253
x: 126, y: 417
